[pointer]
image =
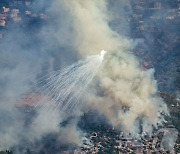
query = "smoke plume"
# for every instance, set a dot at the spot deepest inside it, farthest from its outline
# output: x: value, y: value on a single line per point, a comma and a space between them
x: 130, y: 93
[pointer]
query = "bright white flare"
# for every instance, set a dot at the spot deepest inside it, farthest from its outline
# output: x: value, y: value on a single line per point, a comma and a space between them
x: 101, y: 55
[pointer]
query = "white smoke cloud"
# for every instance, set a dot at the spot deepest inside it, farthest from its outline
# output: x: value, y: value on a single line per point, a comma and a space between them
x: 70, y: 134
x: 124, y: 83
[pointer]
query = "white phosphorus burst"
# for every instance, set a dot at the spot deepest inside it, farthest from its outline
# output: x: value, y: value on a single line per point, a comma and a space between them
x: 63, y: 89
x: 101, y: 55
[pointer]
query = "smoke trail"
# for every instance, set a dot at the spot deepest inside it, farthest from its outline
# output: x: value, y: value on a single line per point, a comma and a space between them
x: 62, y: 90
x: 130, y: 93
